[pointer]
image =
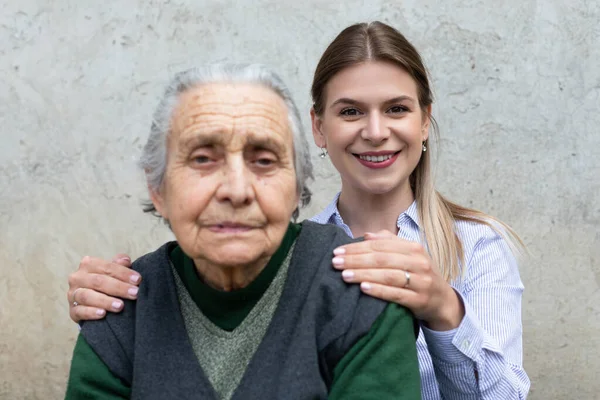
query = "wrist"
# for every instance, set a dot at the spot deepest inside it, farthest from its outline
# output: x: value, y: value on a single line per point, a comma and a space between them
x: 451, y: 313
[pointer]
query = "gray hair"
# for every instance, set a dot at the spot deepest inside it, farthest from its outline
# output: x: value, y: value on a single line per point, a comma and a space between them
x: 154, y: 155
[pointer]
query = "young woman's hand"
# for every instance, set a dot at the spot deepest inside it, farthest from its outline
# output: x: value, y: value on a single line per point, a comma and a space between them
x: 99, y: 285
x: 402, y: 272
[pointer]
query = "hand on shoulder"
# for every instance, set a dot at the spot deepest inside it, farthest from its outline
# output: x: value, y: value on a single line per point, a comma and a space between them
x: 400, y: 271
x: 99, y: 285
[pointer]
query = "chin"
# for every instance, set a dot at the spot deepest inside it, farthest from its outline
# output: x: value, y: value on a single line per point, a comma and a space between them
x: 235, y: 254
x: 380, y: 187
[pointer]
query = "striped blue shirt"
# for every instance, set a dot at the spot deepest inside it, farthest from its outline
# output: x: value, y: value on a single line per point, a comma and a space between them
x: 483, y: 357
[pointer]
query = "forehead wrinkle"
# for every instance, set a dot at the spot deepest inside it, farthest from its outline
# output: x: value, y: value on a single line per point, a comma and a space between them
x: 207, y: 134
x: 208, y: 121
x: 227, y: 99
x: 243, y: 122
x: 203, y: 112
x: 262, y: 109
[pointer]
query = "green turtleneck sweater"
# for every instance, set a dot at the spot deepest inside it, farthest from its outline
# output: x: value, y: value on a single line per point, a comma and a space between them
x: 381, y: 365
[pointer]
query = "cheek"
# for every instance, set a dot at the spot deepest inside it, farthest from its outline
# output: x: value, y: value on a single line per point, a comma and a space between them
x: 339, y: 140
x: 338, y: 134
x: 189, y: 197
x: 277, y: 196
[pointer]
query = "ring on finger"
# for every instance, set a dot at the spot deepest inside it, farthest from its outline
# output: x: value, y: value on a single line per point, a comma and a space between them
x: 74, y: 302
x: 407, y: 276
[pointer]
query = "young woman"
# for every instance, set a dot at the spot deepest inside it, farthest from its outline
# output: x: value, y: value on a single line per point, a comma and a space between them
x: 452, y: 266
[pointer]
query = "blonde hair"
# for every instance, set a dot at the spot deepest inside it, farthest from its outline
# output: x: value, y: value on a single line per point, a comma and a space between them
x: 377, y: 41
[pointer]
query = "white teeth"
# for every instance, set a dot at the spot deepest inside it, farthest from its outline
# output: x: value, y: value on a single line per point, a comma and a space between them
x: 375, y: 158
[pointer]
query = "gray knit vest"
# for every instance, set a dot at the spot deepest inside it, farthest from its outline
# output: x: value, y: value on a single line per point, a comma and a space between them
x: 224, y: 355
x: 318, y: 319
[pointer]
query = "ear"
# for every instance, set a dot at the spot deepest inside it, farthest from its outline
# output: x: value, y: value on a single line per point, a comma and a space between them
x: 426, y: 123
x: 316, y: 129
x: 158, y: 201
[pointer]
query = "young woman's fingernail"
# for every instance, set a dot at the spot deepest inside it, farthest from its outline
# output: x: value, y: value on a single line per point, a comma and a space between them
x: 365, y: 286
x: 347, y: 274
x: 339, y: 251
x: 133, y: 291
x: 134, y: 278
x: 117, y: 305
x: 337, y: 261
x: 100, y: 312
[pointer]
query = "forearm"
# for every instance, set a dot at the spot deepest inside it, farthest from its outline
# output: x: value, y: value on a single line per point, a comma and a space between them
x: 470, y: 363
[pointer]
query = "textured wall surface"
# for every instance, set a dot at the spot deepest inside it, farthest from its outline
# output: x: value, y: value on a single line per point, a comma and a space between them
x: 517, y: 87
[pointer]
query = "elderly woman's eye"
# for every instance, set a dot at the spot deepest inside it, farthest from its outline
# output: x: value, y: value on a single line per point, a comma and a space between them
x: 350, y: 112
x: 264, y: 162
x: 201, y: 159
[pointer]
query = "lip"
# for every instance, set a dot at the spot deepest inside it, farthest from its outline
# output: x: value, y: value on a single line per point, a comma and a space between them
x: 230, y: 227
x: 376, y: 153
x: 377, y: 165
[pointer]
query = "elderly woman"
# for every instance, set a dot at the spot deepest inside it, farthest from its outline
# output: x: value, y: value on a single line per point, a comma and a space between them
x: 244, y: 304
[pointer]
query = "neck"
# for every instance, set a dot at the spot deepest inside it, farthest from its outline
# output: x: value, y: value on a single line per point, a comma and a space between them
x: 229, y: 278
x: 368, y: 212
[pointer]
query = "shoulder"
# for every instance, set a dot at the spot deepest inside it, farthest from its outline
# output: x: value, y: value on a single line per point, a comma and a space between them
x: 340, y: 312
x: 489, y: 257
x: 343, y: 310
x: 470, y: 232
x: 315, y: 246
x: 149, y: 264
x: 112, y: 337
x: 475, y: 235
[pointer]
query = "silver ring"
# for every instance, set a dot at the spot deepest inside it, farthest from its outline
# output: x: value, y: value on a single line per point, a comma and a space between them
x: 75, y: 303
x: 406, y: 275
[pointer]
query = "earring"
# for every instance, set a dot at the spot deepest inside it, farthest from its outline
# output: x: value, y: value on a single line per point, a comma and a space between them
x: 424, y: 147
x: 323, y: 152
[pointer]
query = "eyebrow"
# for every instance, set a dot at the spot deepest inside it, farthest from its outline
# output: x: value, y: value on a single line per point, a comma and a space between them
x: 349, y: 101
x: 202, y: 141
x: 217, y: 139
x: 265, y: 143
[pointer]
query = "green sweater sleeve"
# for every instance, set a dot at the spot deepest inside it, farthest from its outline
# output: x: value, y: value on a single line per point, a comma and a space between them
x: 90, y: 378
x: 383, y: 364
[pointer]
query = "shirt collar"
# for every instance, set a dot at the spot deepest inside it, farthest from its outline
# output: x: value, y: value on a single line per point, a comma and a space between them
x: 411, y: 214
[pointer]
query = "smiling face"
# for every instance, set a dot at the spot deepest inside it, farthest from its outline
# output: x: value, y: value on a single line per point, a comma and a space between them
x: 230, y: 186
x: 373, y: 127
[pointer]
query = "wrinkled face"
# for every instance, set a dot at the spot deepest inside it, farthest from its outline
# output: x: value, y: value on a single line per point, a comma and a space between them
x: 373, y: 127
x: 230, y: 186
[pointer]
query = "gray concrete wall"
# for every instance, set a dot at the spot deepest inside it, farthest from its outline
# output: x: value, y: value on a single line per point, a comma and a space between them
x: 518, y: 92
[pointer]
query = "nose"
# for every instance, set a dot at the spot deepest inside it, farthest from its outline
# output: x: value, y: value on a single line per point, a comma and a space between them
x: 376, y: 130
x: 237, y: 186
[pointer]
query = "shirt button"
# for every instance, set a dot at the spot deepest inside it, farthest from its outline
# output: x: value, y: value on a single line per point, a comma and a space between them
x: 466, y: 344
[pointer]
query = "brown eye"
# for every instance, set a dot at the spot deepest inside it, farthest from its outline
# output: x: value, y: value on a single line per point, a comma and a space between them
x: 350, y: 112
x: 397, y: 109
